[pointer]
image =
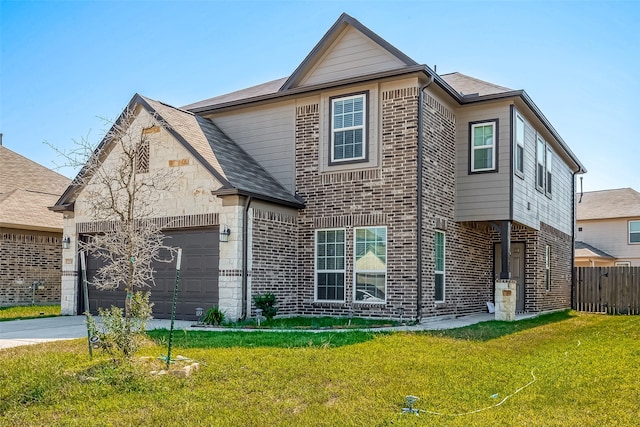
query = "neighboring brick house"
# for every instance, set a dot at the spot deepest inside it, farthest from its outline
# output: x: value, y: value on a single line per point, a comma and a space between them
x: 30, y: 234
x: 362, y: 184
x: 608, y: 224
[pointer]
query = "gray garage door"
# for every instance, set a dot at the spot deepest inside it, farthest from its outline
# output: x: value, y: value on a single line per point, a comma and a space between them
x: 198, y: 285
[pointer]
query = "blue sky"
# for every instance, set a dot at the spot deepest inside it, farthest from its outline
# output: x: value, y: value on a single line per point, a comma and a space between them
x: 64, y: 64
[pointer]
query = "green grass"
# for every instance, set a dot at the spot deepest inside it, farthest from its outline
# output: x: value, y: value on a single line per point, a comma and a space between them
x: 585, y: 367
x: 205, y: 339
x: 28, y: 312
x: 314, y: 323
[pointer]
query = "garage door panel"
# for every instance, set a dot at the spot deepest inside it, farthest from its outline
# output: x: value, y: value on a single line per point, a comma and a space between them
x: 198, y: 285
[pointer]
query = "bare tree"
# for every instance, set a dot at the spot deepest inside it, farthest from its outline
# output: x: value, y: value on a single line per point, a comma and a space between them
x: 119, y: 191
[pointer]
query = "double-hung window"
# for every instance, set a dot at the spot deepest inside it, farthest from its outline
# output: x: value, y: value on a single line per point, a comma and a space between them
x: 540, y: 169
x: 483, y: 146
x: 439, y: 265
x: 349, y: 128
x: 370, y: 264
x: 519, y: 155
x: 330, y: 265
x: 634, y: 232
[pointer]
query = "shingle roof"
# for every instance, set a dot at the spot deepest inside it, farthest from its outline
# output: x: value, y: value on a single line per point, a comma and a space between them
x: 607, y: 204
x: 584, y: 250
x: 223, y: 158
x: 228, y: 160
x: 467, y: 85
x: 248, y: 93
x: 27, y: 189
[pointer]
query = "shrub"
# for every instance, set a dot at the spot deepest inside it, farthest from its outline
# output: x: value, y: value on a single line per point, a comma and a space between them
x: 121, y: 336
x: 267, y: 303
x: 213, y: 316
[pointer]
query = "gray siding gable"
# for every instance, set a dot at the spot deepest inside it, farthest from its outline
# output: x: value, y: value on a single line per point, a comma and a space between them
x: 363, y: 52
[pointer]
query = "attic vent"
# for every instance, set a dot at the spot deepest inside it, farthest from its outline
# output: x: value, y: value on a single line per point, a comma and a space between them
x: 142, y: 160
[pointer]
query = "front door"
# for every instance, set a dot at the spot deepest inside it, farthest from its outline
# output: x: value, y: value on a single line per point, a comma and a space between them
x: 517, y: 270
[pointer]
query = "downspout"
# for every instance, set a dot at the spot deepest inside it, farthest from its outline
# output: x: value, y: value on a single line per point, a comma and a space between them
x: 245, y: 254
x: 573, y: 237
x: 419, y: 199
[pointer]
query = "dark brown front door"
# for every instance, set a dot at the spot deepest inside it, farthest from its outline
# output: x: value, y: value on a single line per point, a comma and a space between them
x: 517, y: 270
x: 197, y: 286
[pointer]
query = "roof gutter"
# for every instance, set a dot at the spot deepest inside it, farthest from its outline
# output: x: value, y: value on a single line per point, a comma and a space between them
x: 419, y: 198
x: 236, y: 192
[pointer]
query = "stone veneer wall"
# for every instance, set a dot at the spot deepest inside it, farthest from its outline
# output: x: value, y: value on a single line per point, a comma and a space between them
x: 27, y: 257
x: 274, y: 259
x: 384, y: 196
x: 537, y: 298
x: 468, y: 250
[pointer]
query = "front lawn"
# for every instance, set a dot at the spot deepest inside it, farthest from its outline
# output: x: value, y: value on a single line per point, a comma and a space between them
x: 581, y: 370
x: 28, y: 312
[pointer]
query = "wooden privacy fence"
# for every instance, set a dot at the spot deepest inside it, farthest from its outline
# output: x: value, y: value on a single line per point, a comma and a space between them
x: 612, y: 290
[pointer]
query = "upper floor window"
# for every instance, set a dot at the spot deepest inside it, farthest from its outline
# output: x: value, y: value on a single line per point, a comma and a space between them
x: 540, y: 169
x: 483, y: 146
x: 348, y: 128
x: 519, y: 154
x: 634, y: 231
x: 370, y: 266
x: 549, y: 168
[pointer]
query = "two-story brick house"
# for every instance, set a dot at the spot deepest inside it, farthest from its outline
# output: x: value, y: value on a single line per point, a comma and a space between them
x: 364, y: 183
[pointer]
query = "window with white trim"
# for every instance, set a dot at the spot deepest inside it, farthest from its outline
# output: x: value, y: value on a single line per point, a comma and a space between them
x: 549, y: 169
x: 623, y: 264
x: 540, y: 170
x: 439, y: 249
x: 370, y: 264
x: 519, y: 155
x: 348, y: 128
x: 634, y: 232
x: 330, y: 265
x: 547, y: 266
x: 483, y: 146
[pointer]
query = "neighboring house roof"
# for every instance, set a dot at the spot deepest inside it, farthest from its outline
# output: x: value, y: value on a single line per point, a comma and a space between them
x: 462, y: 88
x: 608, y: 204
x: 26, y: 190
x: 584, y: 250
x: 238, y: 172
x: 467, y: 85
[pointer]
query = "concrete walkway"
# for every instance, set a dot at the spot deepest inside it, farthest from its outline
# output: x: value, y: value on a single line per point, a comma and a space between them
x: 33, y: 331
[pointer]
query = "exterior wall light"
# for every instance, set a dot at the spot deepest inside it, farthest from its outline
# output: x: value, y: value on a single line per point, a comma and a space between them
x: 224, y: 234
x: 66, y: 242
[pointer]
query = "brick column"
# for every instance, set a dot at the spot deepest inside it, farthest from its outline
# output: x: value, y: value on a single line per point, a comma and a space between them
x: 506, y: 300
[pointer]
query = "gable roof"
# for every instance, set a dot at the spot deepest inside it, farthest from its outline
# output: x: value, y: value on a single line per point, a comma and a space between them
x: 26, y: 190
x: 462, y: 88
x: 584, y: 250
x: 238, y: 172
x: 608, y: 204
x: 339, y: 27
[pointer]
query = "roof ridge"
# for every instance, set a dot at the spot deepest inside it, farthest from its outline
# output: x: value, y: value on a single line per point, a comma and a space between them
x: 478, y: 80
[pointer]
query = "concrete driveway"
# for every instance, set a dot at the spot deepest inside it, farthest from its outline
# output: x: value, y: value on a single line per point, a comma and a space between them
x: 33, y: 331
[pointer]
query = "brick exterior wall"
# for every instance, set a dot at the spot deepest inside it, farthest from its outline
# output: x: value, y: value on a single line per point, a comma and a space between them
x: 27, y: 257
x: 537, y: 298
x: 385, y: 196
x: 274, y: 259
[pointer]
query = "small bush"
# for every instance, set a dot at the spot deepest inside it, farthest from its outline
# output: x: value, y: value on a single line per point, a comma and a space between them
x: 213, y: 316
x: 267, y: 303
x: 121, y: 337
